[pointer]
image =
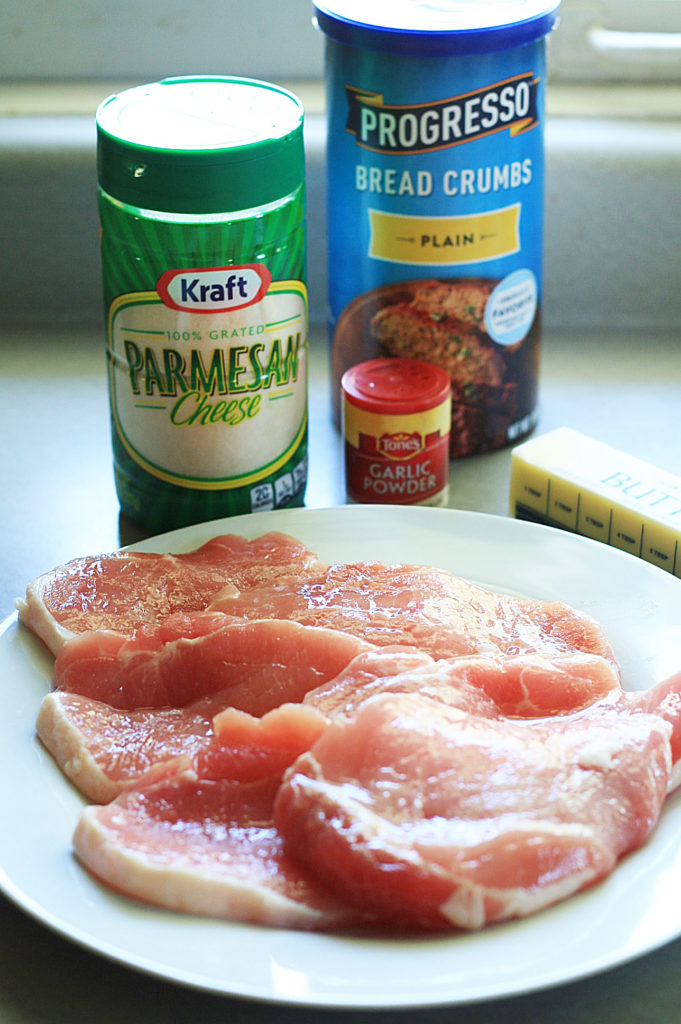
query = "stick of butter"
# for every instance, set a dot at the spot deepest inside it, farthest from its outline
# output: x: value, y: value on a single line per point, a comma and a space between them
x: 568, y: 480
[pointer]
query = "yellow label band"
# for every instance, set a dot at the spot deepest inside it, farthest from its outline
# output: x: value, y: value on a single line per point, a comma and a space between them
x: 446, y: 240
x: 358, y: 421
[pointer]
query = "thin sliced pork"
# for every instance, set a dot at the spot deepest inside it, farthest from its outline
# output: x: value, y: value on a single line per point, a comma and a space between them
x: 526, y: 686
x: 441, y: 614
x: 104, y: 751
x: 126, y: 589
x: 663, y: 699
x: 207, y: 845
x: 263, y: 663
x: 246, y: 748
x: 430, y: 817
x: 316, y: 747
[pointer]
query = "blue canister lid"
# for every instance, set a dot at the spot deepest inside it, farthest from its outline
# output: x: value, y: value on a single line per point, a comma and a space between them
x: 436, y: 28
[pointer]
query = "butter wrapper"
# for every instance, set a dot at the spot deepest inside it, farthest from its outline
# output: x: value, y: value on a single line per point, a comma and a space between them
x: 571, y: 481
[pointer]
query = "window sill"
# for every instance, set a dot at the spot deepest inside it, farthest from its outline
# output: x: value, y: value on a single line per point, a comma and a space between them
x: 613, y: 219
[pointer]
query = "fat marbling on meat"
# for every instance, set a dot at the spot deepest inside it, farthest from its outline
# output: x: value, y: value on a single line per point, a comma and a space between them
x: 123, y: 590
x: 429, y: 817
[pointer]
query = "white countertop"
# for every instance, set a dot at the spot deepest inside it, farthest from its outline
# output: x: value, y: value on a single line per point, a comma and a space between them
x: 55, y: 467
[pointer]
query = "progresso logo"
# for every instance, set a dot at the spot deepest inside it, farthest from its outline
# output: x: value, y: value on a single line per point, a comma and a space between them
x: 424, y: 127
x: 214, y: 289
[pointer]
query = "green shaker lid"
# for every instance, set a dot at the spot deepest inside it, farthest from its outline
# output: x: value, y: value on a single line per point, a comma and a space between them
x: 205, y: 144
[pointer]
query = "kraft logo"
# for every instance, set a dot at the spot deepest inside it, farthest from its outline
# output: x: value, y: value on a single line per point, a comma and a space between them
x: 214, y: 289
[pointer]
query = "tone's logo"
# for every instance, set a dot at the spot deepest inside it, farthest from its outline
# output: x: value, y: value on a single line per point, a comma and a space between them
x: 401, y: 445
x: 214, y: 289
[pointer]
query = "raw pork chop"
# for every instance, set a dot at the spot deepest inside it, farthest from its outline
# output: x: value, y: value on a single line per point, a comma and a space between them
x: 526, y: 686
x: 246, y: 748
x: 125, y: 706
x: 206, y: 845
x: 125, y: 589
x: 104, y: 751
x: 407, y: 604
x: 430, y: 817
x: 263, y: 663
x: 206, y: 848
x: 664, y: 699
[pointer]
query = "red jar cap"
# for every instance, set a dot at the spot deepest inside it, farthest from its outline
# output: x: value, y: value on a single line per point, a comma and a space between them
x: 398, y: 386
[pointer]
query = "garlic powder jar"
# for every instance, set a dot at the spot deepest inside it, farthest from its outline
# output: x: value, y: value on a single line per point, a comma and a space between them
x: 396, y: 417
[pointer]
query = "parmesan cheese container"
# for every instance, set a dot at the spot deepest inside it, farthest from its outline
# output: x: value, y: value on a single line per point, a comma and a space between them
x: 435, y: 172
x: 202, y: 210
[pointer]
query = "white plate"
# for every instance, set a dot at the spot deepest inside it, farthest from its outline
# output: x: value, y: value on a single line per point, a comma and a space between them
x: 624, y: 917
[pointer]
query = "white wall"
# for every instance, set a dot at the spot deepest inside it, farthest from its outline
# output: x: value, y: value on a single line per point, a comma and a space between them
x: 635, y: 40
x: 149, y: 39
x: 613, y: 165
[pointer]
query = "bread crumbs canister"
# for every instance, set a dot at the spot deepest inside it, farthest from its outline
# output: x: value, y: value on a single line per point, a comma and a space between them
x: 202, y: 212
x: 396, y: 416
x: 435, y: 175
